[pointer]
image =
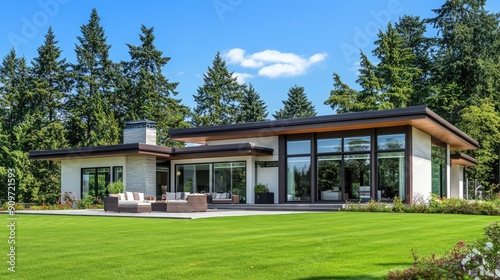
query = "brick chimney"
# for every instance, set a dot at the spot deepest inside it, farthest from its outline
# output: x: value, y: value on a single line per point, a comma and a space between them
x: 140, y: 132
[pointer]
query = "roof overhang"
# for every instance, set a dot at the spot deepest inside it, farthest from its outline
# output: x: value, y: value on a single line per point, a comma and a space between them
x: 463, y: 159
x: 419, y: 117
x: 138, y: 149
x: 102, y: 151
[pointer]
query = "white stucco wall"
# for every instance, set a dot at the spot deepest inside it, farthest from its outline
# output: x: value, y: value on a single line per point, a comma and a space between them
x: 269, y: 176
x: 457, y: 181
x: 71, y: 179
x: 422, y: 165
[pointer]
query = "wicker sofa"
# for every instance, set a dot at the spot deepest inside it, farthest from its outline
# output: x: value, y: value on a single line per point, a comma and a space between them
x: 131, y: 202
x: 225, y: 198
x: 192, y: 203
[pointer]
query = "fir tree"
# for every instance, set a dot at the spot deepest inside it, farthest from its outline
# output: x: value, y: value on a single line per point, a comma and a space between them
x: 412, y: 30
x: 218, y: 99
x: 15, y: 93
x: 92, y: 122
x: 466, y: 52
x: 44, y: 129
x: 150, y: 94
x: 396, y: 69
x: 343, y: 99
x: 252, y: 107
x: 296, y: 106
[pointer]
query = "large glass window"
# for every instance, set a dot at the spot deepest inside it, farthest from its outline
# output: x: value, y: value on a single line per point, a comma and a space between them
x: 299, y: 179
x: 391, y: 166
x: 330, y: 177
x: 95, y: 181
x: 230, y: 177
x: 216, y: 177
x: 345, y: 173
x: 193, y: 178
x: 299, y: 147
x: 438, y: 158
x: 329, y: 145
x: 357, y: 144
x: 391, y: 180
x: 117, y: 173
x: 391, y: 142
x: 357, y: 176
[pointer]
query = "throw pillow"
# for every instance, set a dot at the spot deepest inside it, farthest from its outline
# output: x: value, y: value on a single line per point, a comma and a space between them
x: 136, y: 196
x: 130, y: 196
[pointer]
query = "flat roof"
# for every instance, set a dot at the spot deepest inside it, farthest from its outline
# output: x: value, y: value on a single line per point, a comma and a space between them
x: 240, y: 149
x: 463, y: 159
x: 419, y: 117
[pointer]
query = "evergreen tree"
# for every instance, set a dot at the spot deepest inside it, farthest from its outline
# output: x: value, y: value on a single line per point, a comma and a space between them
x: 44, y: 130
x: 218, y: 99
x: 92, y: 122
x: 466, y: 51
x: 15, y: 93
x: 252, y: 107
x: 389, y: 84
x: 412, y: 30
x: 150, y: 94
x: 296, y: 106
x: 482, y: 122
x: 343, y: 99
x: 371, y: 84
x: 396, y: 69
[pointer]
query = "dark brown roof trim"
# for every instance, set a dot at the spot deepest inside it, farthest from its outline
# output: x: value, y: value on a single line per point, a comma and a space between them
x: 463, y: 159
x: 277, y: 127
x: 437, y: 119
x: 159, y: 151
x: 121, y: 149
x: 240, y: 149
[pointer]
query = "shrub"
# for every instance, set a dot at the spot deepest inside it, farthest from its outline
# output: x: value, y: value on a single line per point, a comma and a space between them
x: 116, y: 187
x: 398, y: 205
x: 377, y: 206
x: 17, y: 206
x: 480, y: 261
x: 90, y: 202
x: 261, y: 188
x: 50, y: 207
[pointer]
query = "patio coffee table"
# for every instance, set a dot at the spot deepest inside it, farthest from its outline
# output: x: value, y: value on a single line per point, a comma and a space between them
x: 159, y: 206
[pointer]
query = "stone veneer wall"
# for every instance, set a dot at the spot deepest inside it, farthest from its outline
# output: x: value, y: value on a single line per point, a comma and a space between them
x: 141, y: 174
x: 145, y: 135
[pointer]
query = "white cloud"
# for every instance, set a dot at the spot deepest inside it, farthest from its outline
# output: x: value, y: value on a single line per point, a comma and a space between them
x: 273, y: 63
x: 242, y: 78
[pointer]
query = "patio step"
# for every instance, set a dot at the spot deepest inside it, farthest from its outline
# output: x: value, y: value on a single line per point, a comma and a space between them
x: 278, y: 207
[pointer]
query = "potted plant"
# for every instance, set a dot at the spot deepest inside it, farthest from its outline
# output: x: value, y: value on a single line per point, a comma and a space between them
x: 262, y: 194
x: 111, y: 201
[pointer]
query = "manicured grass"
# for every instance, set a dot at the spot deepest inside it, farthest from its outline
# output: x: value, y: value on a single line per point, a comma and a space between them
x: 337, y: 245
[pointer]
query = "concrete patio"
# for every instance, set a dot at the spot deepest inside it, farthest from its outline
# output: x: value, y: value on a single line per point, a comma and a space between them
x: 211, y: 213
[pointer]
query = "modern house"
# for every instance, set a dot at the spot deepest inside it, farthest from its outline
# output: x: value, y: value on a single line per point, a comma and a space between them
x: 409, y: 153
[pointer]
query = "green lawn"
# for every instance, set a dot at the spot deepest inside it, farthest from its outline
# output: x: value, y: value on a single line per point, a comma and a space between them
x: 336, y: 245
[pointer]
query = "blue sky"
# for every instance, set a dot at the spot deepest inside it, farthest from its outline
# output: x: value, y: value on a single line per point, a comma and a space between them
x: 272, y: 44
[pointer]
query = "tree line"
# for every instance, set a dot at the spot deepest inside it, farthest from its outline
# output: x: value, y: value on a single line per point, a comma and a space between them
x: 50, y: 103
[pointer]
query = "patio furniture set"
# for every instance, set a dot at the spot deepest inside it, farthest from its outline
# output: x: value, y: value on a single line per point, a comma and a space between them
x: 180, y: 202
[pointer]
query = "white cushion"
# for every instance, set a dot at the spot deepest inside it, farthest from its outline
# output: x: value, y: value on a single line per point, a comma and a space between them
x: 130, y: 196
x: 141, y: 196
x: 121, y: 196
x: 170, y: 196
